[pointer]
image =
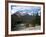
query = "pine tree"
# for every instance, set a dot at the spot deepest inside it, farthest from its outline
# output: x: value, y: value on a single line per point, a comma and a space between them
x: 37, y: 21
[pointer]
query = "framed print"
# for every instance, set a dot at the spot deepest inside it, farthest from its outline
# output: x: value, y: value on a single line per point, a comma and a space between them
x: 24, y: 18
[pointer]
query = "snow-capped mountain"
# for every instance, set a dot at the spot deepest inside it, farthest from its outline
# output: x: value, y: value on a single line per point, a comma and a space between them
x: 25, y: 10
x: 23, y: 13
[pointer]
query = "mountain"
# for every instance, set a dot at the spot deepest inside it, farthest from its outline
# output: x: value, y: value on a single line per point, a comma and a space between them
x: 22, y: 13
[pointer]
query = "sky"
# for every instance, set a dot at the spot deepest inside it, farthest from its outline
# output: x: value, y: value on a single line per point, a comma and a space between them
x: 26, y: 9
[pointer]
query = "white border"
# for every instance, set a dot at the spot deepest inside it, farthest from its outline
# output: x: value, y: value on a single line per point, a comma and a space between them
x: 23, y: 32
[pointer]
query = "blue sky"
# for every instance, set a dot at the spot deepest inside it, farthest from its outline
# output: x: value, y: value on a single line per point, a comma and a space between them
x: 26, y: 9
